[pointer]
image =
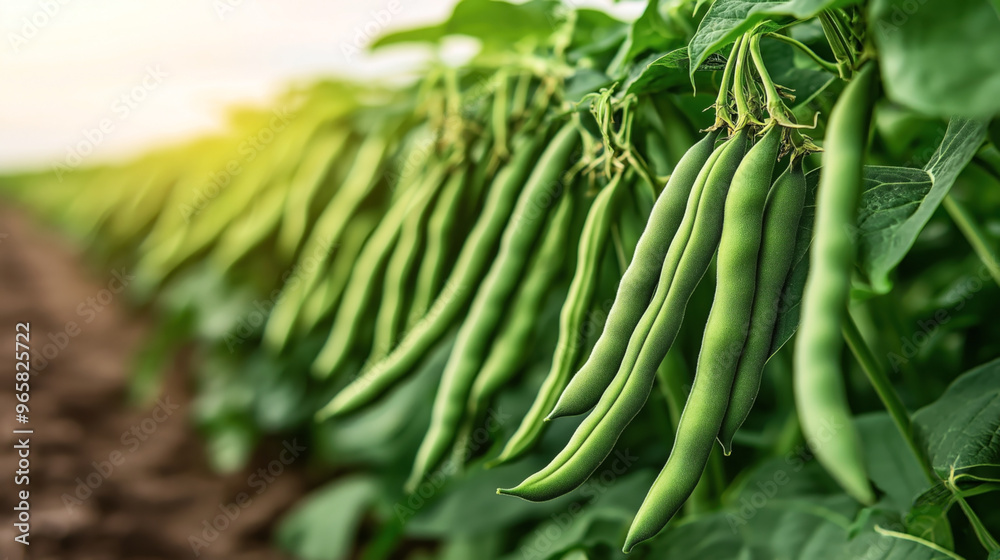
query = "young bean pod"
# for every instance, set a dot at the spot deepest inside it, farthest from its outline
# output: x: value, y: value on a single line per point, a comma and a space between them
x: 819, y: 387
x: 472, y: 261
x: 590, y: 251
x: 781, y: 223
x: 725, y: 334
x: 509, y: 349
x: 480, y: 325
x: 399, y: 271
x: 439, y: 235
x: 636, y: 286
x: 596, y: 436
x: 363, y: 283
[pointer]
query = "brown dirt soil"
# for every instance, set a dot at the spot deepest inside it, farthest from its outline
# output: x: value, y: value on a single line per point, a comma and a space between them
x: 154, y: 493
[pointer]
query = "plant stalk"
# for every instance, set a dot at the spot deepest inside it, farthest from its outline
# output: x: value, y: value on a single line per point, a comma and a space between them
x: 886, y: 393
x: 973, y: 234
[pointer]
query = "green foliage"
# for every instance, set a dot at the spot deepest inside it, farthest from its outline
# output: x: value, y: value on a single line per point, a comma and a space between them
x: 254, y: 255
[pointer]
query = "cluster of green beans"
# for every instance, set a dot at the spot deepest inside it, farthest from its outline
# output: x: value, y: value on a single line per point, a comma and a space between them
x: 719, y: 199
x: 395, y: 238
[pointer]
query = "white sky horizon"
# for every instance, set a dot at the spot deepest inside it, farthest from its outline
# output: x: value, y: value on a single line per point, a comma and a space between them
x: 65, y: 65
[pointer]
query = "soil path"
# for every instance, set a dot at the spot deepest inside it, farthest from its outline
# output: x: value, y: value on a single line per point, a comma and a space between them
x: 109, y: 480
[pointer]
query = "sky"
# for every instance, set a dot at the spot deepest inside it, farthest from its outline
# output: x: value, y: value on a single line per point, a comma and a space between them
x: 126, y: 76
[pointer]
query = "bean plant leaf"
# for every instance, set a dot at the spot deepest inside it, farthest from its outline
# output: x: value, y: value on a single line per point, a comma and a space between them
x: 779, y: 516
x: 889, y: 461
x: 962, y: 428
x: 938, y: 56
x: 648, y: 31
x: 660, y: 71
x: 895, y: 208
x: 323, y: 526
x: 491, y: 21
x: 727, y: 19
x: 887, y: 217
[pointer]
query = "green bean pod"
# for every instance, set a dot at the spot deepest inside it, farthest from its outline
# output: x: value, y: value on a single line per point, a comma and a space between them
x: 487, y: 310
x: 722, y: 342
x: 363, y: 283
x: 572, y: 317
x: 326, y: 295
x: 781, y: 222
x: 473, y: 260
x: 308, y: 179
x: 597, y: 434
x: 819, y: 387
x: 508, y: 351
x: 439, y: 233
x: 636, y: 286
x: 326, y: 233
x: 392, y: 307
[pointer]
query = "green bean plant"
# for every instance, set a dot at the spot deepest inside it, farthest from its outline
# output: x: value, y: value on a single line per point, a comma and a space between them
x: 716, y: 282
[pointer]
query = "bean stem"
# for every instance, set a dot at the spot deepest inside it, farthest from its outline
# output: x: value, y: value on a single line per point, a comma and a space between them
x: 982, y: 533
x: 722, y: 101
x: 744, y: 114
x: 973, y: 234
x: 838, y: 45
x: 886, y: 393
x: 823, y: 63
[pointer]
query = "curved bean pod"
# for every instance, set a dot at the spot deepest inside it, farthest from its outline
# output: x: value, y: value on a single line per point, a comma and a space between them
x: 722, y: 342
x: 363, y: 282
x: 596, y: 436
x: 472, y: 262
x: 433, y: 265
x: 781, y: 223
x: 590, y: 251
x: 819, y: 388
x: 508, y: 350
x: 490, y: 302
x: 392, y: 307
x: 636, y: 286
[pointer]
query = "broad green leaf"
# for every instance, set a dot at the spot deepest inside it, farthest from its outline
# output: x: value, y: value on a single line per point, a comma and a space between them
x: 938, y: 56
x: 491, y: 21
x: 890, y: 463
x: 661, y: 71
x: 962, y: 428
x: 324, y: 525
x: 600, y: 518
x: 727, y: 19
x: 897, y: 204
x: 930, y: 522
x: 648, y: 31
x: 891, y: 205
